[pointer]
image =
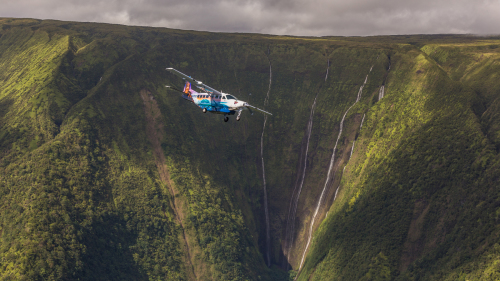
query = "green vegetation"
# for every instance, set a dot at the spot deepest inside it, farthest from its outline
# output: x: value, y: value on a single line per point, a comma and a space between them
x: 419, y: 187
x: 107, y: 175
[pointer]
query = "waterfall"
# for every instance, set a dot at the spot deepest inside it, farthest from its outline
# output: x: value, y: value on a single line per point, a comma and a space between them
x: 381, y: 92
x: 270, y: 78
x: 352, y: 149
x: 268, y: 237
x: 328, y: 177
x: 326, y: 183
x: 290, y: 225
x: 292, y: 210
x: 362, y: 86
x: 359, y: 93
x: 362, y: 120
x: 327, y: 68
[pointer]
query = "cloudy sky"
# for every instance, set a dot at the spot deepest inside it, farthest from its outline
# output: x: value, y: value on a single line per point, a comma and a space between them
x: 291, y: 17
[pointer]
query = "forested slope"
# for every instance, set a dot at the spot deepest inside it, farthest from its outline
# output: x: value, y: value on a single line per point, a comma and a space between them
x: 107, y: 175
x: 419, y: 199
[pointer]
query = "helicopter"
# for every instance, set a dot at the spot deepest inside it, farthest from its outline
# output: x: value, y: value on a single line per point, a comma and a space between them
x: 211, y: 100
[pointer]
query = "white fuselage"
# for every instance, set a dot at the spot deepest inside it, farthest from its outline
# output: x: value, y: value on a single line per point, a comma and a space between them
x: 224, y: 100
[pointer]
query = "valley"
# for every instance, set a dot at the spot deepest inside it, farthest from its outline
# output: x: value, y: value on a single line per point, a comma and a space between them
x: 380, y: 161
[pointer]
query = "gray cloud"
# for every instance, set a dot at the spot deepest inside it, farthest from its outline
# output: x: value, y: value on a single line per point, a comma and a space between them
x: 292, y: 17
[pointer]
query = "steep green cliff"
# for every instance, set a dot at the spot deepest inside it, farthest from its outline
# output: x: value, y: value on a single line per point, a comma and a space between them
x: 105, y: 174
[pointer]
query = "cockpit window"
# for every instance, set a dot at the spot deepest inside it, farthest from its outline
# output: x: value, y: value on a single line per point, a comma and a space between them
x: 230, y: 97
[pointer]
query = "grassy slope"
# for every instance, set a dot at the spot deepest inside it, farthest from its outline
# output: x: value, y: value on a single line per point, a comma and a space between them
x: 85, y: 191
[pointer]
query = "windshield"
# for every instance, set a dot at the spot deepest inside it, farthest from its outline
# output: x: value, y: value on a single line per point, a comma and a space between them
x: 230, y: 97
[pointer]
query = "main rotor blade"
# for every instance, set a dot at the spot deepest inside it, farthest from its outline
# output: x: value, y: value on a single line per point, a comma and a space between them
x: 258, y: 109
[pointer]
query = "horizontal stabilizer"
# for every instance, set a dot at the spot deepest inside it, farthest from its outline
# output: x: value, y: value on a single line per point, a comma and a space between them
x: 174, y: 88
x: 186, y: 97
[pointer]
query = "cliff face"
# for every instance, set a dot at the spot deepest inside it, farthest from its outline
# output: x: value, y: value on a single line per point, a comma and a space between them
x: 380, y: 159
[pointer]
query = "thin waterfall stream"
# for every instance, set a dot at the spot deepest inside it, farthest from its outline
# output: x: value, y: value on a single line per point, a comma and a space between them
x: 381, y: 92
x: 266, y: 100
x: 332, y: 160
x: 352, y: 149
x: 290, y: 224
